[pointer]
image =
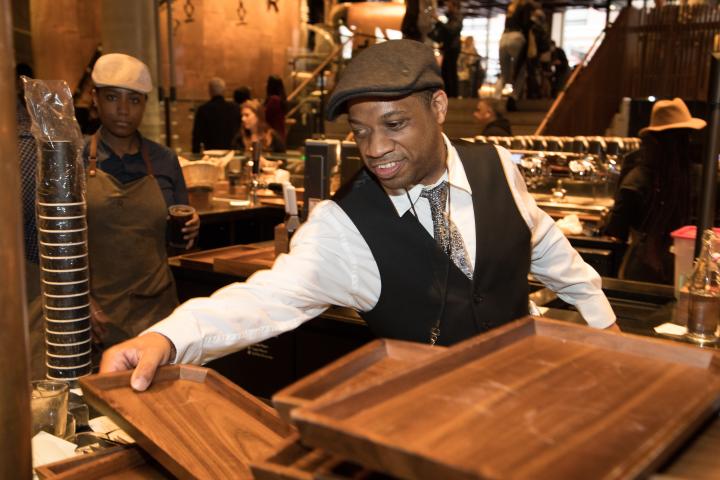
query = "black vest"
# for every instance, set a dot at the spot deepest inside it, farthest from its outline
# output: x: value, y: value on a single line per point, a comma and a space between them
x: 420, y: 284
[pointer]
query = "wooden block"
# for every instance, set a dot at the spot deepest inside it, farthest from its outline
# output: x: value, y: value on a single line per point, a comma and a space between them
x: 245, y: 263
x: 193, y: 421
x: 370, y: 363
x: 293, y: 461
x: 532, y: 399
x: 206, y: 259
x: 119, y: 463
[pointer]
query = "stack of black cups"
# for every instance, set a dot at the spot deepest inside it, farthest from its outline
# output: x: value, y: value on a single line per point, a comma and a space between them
x: 62, y: 231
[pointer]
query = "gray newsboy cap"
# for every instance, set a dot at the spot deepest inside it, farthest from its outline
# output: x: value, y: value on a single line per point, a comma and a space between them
x: 386, y: 70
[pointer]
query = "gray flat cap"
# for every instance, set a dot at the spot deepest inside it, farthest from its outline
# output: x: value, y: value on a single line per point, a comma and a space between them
x: 386, y: 70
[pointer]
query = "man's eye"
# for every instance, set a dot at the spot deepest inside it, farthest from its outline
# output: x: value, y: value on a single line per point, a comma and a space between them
x: 110, y: 97
x: 359, y: 132
x: 135, y: 100
x: 396, y: 124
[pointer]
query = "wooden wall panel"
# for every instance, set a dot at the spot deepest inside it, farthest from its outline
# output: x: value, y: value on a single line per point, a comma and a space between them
x: 65, y: 34
x: 216, y: 44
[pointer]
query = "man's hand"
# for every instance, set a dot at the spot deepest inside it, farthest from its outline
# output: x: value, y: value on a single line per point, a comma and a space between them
x: 191, y: 230
x: 145, y: 354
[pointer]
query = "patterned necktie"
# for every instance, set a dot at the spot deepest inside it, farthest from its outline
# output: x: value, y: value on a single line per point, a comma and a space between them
x: 446, y: 233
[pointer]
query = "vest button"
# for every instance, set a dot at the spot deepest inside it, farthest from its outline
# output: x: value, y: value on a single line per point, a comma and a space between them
x: 477, y: 298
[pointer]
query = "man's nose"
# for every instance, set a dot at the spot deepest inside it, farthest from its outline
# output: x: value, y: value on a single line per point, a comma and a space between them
x: 379, y: 145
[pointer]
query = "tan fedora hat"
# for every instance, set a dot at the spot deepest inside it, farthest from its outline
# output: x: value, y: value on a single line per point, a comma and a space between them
x: 669, y: 114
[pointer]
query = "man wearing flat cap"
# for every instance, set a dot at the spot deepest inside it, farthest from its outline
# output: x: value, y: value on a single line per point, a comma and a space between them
x: 131, y: 181
x: 431, y: 242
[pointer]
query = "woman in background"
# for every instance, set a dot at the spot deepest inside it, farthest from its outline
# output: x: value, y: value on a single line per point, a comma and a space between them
x: 656, y: 195
x: 256, y: 129
x: 513, y: 48
x: 276, y: 104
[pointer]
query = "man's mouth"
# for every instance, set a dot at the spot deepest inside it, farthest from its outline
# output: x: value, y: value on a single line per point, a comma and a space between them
x: 386, y: 169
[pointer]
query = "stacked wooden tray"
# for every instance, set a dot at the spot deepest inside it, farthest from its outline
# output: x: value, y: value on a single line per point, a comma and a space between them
x: 241, y: 260
x: 533, y: 399
x: 194, y: 422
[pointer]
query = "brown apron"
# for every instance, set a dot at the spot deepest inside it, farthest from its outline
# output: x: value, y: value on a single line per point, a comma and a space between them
x: 130, y: 278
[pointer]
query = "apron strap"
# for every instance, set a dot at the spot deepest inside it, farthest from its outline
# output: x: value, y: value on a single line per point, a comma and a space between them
x: 92, y: 156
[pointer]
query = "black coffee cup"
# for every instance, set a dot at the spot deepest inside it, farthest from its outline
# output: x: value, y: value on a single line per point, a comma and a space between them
x: 179, y: 216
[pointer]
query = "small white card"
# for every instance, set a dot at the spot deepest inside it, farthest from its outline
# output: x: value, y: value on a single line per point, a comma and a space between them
x: 671, y: 329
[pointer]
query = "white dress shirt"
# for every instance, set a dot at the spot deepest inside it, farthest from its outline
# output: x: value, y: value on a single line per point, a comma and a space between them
x: 331, y: 264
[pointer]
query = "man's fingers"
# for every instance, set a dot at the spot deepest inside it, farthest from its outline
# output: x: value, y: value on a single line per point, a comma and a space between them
x: 141, y: 378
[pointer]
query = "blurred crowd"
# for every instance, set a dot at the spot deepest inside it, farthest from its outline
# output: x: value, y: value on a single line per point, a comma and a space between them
x: 531, y: 64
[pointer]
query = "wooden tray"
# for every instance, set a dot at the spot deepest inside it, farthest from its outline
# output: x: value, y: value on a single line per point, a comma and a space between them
x: 117, y: 463
x: 293, y: 461
x: 370, y: 363
x: 245, y: 263
x: 206, y: 259
x: 192, y: 420
x: 533, y: 399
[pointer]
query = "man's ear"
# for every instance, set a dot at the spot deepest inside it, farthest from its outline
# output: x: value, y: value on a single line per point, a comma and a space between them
x: 94, y: 94
x: 439, y: 106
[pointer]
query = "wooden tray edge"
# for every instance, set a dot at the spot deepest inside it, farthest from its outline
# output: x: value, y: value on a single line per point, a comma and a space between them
x: 93, y: 396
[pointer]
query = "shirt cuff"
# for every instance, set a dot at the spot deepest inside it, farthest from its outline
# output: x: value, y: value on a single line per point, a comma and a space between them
x: 596, y: 311
x: 180, y: 328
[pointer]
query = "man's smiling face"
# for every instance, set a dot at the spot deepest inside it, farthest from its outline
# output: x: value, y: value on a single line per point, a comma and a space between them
x: 400, y: 140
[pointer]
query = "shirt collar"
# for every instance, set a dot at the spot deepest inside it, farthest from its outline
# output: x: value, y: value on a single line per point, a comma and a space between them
x: 455, y: 175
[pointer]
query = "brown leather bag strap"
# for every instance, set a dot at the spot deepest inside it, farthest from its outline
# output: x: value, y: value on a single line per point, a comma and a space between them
x: 92, y: 156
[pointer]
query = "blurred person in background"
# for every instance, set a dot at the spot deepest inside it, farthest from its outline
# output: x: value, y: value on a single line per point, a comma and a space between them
x: 256, y: 129
x: 469, y: 69
x: 491, y: 121
x: 513, y: 49
x: 275, y: 105
x: 560, y: 67
x: 447, y: 34
x: 655, y: 195
x: 241, y: 95
x: 216, y: 121
x: 537, y: 48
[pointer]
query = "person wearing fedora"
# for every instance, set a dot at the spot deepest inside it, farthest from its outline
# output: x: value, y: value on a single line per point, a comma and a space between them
x: 655, y: 195
x: 431, y: 242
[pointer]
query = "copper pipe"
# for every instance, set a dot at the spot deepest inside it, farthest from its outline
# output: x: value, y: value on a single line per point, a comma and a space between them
x: 15, y: 454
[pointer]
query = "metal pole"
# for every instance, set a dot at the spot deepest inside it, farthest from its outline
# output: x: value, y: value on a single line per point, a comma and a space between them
x: 15, y: 425
x: 710, y: 164
x: 171, y: 66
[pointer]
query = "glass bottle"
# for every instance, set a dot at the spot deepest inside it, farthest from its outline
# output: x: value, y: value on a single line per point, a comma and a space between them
x: 704, y: 294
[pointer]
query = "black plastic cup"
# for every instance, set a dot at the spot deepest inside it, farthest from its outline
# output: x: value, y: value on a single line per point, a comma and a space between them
x: 179, y: 216
x: 72, y: 314
x: 60, y: 173
x: 66, y: 250
x: 64, y: 224
x: 67, y: 339
x: 66, y: 289
x: 64, y: 276
x: 65, y: 327
x: 59, y: 264
x: 61, y: 238
x: 68, y: 361
x: 61, y: 210
x: 75, y: 301
x: 63, y: 349
x: 68, y: 373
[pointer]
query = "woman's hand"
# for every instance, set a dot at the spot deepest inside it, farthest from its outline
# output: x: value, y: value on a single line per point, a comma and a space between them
x: 191, y: 230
